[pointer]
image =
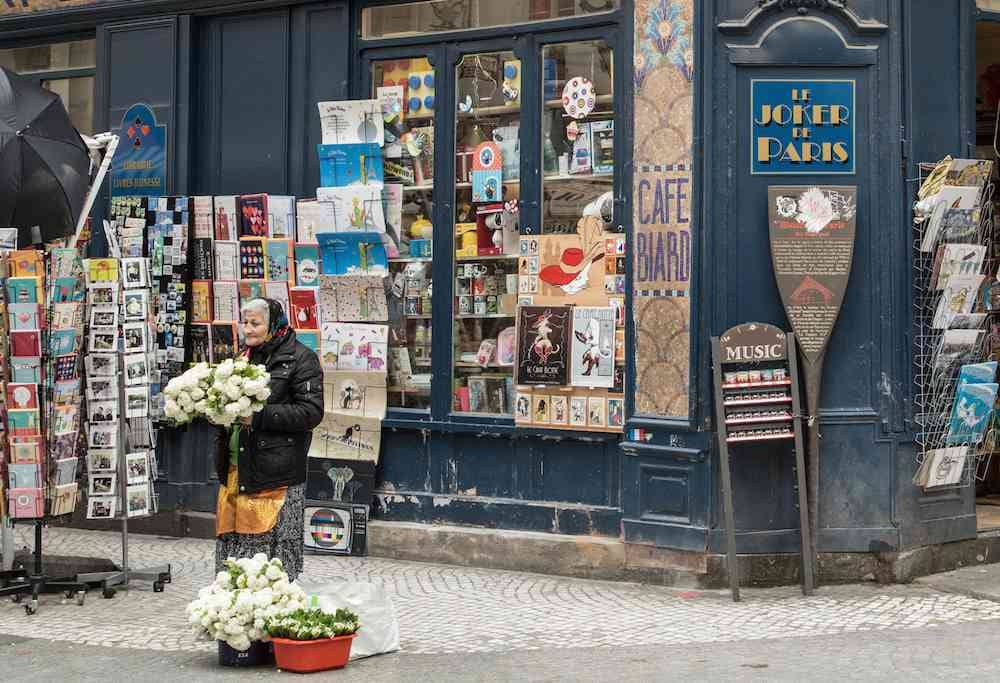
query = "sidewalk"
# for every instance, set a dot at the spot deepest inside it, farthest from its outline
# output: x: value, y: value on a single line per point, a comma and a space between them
x: 981, y: 581
x: 447, y: 610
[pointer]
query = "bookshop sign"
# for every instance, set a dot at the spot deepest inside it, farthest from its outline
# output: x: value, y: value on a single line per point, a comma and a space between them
x: 802, y: 127
x: 140, y: 163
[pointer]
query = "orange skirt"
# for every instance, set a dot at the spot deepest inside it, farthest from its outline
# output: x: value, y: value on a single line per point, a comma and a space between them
x: 254, y: 513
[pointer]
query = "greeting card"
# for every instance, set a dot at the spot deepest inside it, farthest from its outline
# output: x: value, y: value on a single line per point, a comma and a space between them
x: 354, y: 208
x: 252, y: 259
x: 302, y: 301
x: 204, y: 225
x: 350, y: 164
x: 278, y: 264
x: 226, y: 301
x: 253, y: 210
x: 351, y: 253
x: 307, y: 265
x: 201, y: 301
x: 227, y: 260
x: 971, y: 412
x: 226, y: 219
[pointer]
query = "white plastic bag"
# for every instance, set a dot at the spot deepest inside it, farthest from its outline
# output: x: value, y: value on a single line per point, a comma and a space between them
x: 379, y: 628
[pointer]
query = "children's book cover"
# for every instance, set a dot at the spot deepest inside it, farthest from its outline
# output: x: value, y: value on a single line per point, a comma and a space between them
x: 302, y: 301
x: 226, y: 219
x: 352, y: 164
x: 593, y: 347
x: 252, y: 265
x: 204, y: 225
x: 253, y: 215
x: 201, y: 301
x: 351, y: 253
x: 543, y: 345
x: 307, y: 265
x: 226, y: 301
x: 282, y: 216
x: 278, y: 259
x: 354, y: 208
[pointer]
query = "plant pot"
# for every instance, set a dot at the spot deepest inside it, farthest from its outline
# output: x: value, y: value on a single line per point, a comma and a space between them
x: 260, y: 654
x: 304, y: 656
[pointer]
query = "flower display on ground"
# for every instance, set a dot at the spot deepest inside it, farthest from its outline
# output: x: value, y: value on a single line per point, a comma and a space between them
x: 236, y: 607
x: 313, y: 624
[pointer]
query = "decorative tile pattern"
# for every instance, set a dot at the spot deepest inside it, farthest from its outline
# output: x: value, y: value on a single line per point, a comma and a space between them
x: 447, y: 609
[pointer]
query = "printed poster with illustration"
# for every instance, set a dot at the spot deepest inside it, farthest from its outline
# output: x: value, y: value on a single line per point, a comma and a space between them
x: 592, y: 352
x: 354, y: 393
x: 347, y: 437
x: 812, y: 246
x: 542, y: 345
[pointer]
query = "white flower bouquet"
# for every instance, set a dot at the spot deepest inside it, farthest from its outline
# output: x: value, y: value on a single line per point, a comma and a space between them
x: 238, y: 389
x: 186, y: 393
x: 231, y: 390
x: 236, y: 607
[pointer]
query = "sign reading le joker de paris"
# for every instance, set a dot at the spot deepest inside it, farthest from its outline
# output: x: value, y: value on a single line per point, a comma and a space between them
x: 802, y: 127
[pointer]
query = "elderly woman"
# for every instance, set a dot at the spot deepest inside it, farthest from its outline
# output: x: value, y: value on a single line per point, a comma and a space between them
x: 262, y: 459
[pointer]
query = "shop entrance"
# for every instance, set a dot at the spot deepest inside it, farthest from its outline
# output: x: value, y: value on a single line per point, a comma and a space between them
x: 987, y: 92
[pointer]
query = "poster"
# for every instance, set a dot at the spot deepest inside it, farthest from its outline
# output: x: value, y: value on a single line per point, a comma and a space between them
x: 593, y: 347
x: 812, y: 246
x: 347, y: 437
x: 139, y: 167
x: 355, y: 393
x: 542, y: 345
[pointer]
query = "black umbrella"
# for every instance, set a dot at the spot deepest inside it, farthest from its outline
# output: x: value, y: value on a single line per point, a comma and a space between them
x: 44, y: 164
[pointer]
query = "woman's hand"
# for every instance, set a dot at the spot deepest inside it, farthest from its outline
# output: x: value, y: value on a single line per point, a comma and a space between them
x: 248, y: 421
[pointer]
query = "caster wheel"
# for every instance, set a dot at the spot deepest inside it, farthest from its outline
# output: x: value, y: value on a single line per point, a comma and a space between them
x: 16, y: 598
x: 80, y: 597
x: 108, y: 593
x: 168, y: 579
x: 157, y: 586
x: 31, y: 607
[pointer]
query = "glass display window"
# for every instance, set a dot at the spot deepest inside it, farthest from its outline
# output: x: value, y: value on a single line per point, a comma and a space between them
x: 406, y: 88
x: 487, y: 189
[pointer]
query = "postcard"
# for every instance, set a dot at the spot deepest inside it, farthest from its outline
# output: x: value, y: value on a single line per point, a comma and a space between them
x: 957, y: 298
x: 201, y: 301
x: 101, y: 507
x: 302, y: 301
x: 971, y: 413
x: 956, y: 259
x: 137, y: 500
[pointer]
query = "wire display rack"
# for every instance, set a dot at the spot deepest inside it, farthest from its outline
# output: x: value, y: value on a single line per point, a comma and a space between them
x: 936, y: 367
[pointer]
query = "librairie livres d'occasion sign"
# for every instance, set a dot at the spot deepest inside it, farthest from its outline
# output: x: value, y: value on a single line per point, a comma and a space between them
x: 812, y: 246
x: 140, y: 163
x: 802, y: 127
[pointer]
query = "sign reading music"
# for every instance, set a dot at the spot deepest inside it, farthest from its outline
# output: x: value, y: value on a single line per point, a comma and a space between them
x: 802, y: 127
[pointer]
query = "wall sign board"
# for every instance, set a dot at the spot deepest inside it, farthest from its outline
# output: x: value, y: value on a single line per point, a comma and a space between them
x: 140, y: 163
x: 802, y: 127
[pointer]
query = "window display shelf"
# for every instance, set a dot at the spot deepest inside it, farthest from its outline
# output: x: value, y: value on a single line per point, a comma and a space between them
x: 756, y: 385
x: 498, y: 110
x: 411, y: 259
x: 418, y: 188
x: 758, y: 401
x: 762, y: 437
x: 597, y: 177
x: 488, y: 315
x: 784, y: 417
x: 496, y: 257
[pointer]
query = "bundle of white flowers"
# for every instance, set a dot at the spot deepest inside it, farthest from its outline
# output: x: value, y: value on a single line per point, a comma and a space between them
x: 238, y: 389
x: 231, y: 390
x: 185, y: 394
x: 239, y: 603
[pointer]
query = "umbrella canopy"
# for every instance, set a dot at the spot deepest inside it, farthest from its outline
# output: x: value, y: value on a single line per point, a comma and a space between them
x: 44, y: 163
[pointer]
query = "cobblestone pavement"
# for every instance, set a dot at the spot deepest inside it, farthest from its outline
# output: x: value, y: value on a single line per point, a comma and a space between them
x: 447, y: 609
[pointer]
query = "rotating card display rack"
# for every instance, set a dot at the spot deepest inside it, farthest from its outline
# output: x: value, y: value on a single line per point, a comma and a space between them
x: 756, y: 378
x: 947, y: 458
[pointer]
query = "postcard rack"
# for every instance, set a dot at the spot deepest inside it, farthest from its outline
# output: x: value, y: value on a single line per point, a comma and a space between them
x: 757, y: 398
x: 937, y: 361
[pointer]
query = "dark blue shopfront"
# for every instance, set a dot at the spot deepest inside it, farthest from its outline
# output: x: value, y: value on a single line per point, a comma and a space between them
x: 893, y: 83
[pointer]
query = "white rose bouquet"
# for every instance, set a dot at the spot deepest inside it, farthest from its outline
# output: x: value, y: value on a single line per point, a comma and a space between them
x: 186, y: 393
x: 231, y: 390
x: 242, y: 600
x: 238, y: 389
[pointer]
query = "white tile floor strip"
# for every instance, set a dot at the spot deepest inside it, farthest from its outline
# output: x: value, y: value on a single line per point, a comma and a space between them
x: 446, y: 609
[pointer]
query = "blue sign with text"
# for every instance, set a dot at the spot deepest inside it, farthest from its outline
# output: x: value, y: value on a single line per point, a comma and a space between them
x: 140, y: 163
x: 802, y: 127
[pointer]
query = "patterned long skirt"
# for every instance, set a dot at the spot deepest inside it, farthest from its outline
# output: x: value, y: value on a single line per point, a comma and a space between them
x: 284, y: 541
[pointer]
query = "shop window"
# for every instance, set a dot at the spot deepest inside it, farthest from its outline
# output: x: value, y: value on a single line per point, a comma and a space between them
x: 578, y: 131
x: 487, y: 184
x: 408, y: 200
x: 66, y: 69
x: 435, y: 16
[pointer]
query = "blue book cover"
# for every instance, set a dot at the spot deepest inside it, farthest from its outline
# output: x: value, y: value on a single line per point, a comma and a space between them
x: 978, y: 373
x: 306, y: 265
x: 970, y: 416
x: 344, y: 165
x: 353, y: 253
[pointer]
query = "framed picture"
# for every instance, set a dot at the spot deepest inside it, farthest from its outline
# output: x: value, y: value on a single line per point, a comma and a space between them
x: 616, y: 412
